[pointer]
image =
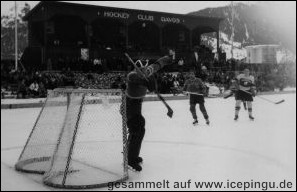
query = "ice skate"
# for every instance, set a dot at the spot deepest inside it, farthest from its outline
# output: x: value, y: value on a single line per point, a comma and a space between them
x: 139, y: 160
x: 195, y: 122
x: 134, y: 166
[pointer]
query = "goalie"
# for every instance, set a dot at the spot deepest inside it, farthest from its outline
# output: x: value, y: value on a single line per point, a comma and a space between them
x: 138, y: 82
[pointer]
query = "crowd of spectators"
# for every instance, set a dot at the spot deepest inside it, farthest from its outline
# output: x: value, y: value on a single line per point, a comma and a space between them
x: 36, y: 83
x: 100, y: 65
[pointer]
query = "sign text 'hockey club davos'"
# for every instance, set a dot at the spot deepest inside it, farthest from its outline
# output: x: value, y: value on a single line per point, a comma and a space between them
x: 142, y: 17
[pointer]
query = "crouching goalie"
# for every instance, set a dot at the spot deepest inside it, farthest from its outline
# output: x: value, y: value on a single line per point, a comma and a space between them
x: 138, y: 82
x: 245, y: 92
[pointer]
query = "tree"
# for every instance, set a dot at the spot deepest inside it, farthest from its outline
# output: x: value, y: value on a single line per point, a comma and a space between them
x: 7, y: 33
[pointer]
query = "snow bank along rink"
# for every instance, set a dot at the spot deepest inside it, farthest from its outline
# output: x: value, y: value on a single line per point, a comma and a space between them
x: 262, y: 150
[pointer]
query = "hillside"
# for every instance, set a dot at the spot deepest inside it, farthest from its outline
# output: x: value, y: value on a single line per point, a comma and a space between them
x: 255, y: 24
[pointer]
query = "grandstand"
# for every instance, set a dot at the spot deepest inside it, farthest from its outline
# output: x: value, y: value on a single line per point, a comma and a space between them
x: 83, y: 45
x: 105, y: 33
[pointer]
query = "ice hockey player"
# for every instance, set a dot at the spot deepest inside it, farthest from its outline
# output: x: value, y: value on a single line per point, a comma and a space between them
x: 233, y: 91
x: 245, y: 92
x: 196, y: 88
x: 136, y: 88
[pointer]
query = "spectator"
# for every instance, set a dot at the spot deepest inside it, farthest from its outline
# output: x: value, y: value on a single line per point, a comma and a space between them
x: 34, y: 88
x: 195, y: 59
x: 180, y: 64
x: 176, y: 87
x: 42, y: 91
x: 3, y: 92
x: 22, y: 90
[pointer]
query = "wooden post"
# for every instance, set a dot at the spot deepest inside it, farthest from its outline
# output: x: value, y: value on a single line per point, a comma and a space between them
x: 88, y: 31
x: 127, y: 36
x: 16, y: 36
x: 161, y: 38
x: 218, y: 44
x: 191, y: 39
x: 44, y: 58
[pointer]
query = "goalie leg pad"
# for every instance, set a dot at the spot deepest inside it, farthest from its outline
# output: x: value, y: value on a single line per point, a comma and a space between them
x: 136, y: 126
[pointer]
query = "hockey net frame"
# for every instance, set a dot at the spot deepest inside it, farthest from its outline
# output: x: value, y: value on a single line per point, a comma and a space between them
x: 23, y: 162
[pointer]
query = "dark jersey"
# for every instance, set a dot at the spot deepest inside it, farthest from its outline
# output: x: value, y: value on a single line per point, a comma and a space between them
x: 194, y: 85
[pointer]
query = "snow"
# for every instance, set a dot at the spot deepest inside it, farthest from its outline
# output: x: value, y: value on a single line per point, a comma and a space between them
x: 285, y: 56
x: 225, y: 43
x: 239, y: 52
x: 246, y: 32
x: 174, y: 150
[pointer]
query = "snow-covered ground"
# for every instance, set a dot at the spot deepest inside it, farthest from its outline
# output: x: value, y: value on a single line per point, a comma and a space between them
x: 263, y: 150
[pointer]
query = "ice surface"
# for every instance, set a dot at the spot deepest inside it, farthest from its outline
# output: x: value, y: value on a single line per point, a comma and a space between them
x: 174, y: 150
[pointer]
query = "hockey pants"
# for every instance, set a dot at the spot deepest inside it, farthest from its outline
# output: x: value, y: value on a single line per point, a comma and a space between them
x: 202, y: 109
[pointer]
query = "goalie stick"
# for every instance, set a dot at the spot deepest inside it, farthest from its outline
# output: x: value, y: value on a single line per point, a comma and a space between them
x: 169, y: 110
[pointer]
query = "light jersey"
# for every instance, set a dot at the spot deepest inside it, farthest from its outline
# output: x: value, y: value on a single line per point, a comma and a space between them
x: 245, y: 82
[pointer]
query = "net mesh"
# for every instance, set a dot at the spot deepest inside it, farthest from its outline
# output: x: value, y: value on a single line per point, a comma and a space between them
x: 79, y: 139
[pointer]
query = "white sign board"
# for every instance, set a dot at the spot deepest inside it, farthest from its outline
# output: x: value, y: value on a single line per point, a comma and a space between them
x: 262, y: 54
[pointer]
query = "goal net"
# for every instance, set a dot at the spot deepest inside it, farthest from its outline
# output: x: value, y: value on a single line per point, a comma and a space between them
x: 79, y: 139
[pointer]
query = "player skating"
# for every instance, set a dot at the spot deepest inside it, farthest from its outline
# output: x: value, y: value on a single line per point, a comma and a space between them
x: 244, y: 93
x: 196, y: 88
x: 138, y: 82
x: 233, y: 91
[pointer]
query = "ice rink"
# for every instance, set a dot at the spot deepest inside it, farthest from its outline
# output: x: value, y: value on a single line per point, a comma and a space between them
x: 263, y: 150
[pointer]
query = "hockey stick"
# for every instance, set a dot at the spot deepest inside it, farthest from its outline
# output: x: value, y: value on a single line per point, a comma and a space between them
x: 187, y: 92
x: 265, y: 99
x: 231, y: 94
x: 170, y: 111
x: 278, y: 102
